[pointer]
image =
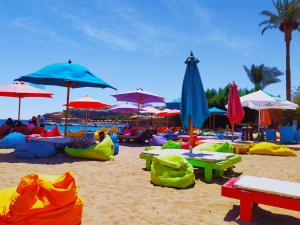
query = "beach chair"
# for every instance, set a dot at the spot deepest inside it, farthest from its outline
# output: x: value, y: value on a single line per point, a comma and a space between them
x: 213, y: 163
x: 252, y: 191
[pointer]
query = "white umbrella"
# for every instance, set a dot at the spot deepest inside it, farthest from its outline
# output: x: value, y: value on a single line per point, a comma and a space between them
x: 149, y: 110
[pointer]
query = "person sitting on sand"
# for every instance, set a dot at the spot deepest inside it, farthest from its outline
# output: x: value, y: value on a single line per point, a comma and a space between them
x: 84, y: 142
x: 6, y: 127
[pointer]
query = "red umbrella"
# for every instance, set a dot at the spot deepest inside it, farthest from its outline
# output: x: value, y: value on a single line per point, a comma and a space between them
x: 235, y: 111
x: 168, y: 113
x: 21, y: 90
x: 87, y: 103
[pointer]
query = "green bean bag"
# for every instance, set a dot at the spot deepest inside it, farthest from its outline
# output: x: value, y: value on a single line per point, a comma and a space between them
x: 214, y: 147
x: 172, y: 145
x: 266, y: 148
x: 172, y: 171
x: 103, y: 151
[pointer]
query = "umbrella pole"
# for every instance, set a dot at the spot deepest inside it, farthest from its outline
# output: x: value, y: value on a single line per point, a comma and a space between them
x: 19, y: 110
x: 86, y: 119
x: 214, y: 121
x: 210, y: 122
x: 67, y: 108
x: 232, y: 132
x: 191, y: 135
x: 258, y: 129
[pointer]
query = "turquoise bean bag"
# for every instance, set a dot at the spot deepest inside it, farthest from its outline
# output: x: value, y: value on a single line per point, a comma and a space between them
x: 115, y: 140
x: 12, y: 140
x: 35, y: 150
x: 103, y: 151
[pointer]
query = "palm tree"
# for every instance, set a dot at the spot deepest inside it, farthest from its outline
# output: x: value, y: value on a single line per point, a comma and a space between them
x: 262, y: 76
x: 286, y: 19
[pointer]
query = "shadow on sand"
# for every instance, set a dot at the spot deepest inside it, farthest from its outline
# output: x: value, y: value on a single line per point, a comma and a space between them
x: 260, y: 217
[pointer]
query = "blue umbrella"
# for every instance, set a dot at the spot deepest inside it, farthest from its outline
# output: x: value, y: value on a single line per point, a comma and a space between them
x: 217, y: 111
x: 174, y: 104
x: 66, y: 75
x: 194, y: 108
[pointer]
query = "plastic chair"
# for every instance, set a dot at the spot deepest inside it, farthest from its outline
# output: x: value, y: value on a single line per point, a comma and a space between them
x: 270, y: 135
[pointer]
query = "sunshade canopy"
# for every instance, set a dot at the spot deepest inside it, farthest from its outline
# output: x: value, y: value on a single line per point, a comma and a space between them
x: 125, y: 108
x: 168, y: 112
x: 174, y: 104
x: 138, y: 96
x: 22, y: 90
x: 65, y: 74
x: 149, y: 110
x: 217, y: 111
x: 261, y: 100
x: 87, y: 103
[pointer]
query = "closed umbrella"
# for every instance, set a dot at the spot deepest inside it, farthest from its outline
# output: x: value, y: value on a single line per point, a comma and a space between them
x: 65, y: 75
x: 193, y: 108
x: 87, y: 103
x: 235, y: 110
x: 265, y: 118
x: 21, y: 90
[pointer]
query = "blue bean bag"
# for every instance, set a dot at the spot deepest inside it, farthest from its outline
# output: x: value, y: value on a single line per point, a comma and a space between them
x: 115, y: 140
x: 12, y: 140
x: 157, y: 140
x: 34, y: 149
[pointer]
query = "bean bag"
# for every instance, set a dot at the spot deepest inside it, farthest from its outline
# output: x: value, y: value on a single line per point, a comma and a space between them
x: 78, y: 134
x: 266, y: 148
x: 172, y: 145
x: 215, y: 147
x: 157, y: 140
x: 12, y: 140
x: 172, y: 171
x: 270, y: 135
x: 206, y: 147
x: 153, y: 148
x: 287, y: 134
x: 55, y: 132
x: 43, y: 200
x: 35, y: 150
x: 112, y: 130
x: 115, y: 140
x: 103, y: 151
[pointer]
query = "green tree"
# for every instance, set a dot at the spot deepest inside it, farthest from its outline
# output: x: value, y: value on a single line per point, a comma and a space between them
x: 286, y: 20
x: 262, y: 76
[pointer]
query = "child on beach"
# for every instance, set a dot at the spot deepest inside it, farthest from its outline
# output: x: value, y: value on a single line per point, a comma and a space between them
x: 84, y: 142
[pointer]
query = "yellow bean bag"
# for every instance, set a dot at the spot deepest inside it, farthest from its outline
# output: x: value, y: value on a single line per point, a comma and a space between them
x: 78, y: 134
x: 41, y: 200
x: 103, y: 151
x: 112, y: 130
x: 266, y: 148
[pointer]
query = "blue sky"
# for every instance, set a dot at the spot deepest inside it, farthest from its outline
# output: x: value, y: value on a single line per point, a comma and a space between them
x: 137, y: 44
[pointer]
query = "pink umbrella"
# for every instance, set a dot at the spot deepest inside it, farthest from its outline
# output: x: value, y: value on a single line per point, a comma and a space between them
x: 87, y: 103
x: 21, y: 90
x: 235, y: 110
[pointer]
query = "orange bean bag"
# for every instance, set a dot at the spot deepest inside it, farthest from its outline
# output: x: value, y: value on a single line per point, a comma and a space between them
x: 41, y: 200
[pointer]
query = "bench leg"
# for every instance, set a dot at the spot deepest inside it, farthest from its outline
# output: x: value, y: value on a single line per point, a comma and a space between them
x: 207, y: 174
x: 246, y: 210
x: 219, y: 173
x: 148, y: 164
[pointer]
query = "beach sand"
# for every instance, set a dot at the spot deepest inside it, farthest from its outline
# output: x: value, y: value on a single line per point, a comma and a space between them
x: 120, y: 192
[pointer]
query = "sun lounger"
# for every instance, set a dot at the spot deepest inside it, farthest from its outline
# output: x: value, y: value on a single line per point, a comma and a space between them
x: 252, y: 191
x: 210, y: 161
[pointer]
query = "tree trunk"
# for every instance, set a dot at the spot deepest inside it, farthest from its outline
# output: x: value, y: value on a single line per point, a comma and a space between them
x: 288, y: 38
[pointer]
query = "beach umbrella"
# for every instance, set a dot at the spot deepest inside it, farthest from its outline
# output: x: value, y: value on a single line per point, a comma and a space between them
x: 21, y: 90
x: 235, y: 111
x: 125, y: 108
x: 87, y: 103
x: 193, y: 108
x: 168, y: 113
x: 213, y: 112
x: 149, y: 110
x: 138, y: 96
x: 67, y: 75
x: 174, y: 104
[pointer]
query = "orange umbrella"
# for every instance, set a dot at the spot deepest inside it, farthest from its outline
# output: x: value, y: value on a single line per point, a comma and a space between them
x: 87, y: 103
x: 265, y: 118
